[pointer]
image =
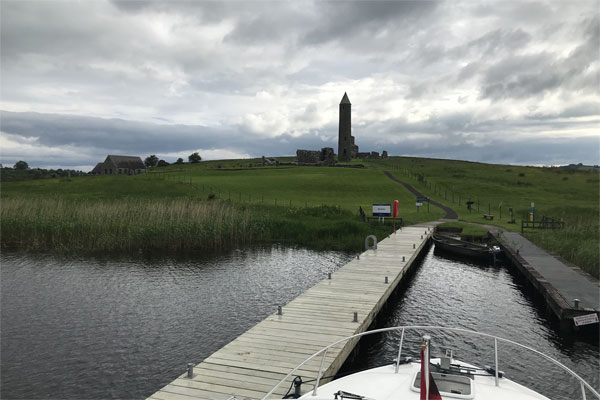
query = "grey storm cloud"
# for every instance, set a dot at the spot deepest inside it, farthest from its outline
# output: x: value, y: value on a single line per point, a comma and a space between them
x: 480, y: 81
x: 532, y: 74
x: 343, y: 22
x: 463, y: 138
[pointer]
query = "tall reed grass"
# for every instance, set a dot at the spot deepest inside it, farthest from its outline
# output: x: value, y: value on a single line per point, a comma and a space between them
x: 125, y: 225
x: 578, y: 242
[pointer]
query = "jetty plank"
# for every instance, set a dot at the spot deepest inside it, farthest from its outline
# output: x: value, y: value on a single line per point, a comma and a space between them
x: 254, y: 362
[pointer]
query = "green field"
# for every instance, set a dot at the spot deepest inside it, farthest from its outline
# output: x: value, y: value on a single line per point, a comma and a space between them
x: 316, y: 207
x: 571, y: 196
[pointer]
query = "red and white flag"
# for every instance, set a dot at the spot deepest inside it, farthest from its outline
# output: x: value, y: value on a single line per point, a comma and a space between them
x: 429, y: 390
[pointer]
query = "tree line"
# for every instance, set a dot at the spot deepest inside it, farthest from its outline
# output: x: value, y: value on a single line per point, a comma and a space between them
x: 153, y: 161
x: 21, y: 171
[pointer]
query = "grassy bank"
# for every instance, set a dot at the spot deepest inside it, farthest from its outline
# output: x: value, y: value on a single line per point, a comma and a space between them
x: 315, y: 207
x: 468, y: 232
x: 562, y: 194
x: 125, y: 225
x: 131, y: 225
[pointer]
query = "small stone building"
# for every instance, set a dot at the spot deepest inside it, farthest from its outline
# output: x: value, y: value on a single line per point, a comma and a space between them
x: 115, y: 165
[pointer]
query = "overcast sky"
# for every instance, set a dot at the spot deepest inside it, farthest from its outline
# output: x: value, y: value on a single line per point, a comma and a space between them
x: 502, y: 81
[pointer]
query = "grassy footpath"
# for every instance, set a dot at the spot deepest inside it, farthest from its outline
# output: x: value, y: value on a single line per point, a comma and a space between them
x: 569, y: 195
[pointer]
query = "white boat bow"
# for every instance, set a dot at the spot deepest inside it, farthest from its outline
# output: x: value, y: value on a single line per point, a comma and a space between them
x: 452, y: 379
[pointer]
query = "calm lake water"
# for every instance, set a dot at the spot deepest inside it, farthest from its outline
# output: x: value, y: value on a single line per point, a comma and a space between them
x: 93, y: 328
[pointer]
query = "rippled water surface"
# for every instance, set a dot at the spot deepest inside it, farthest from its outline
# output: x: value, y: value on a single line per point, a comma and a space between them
x: 489, y: 299
x: 83, y: 328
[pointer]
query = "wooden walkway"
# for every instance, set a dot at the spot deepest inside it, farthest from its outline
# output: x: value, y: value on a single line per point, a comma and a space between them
x: 254, y: 362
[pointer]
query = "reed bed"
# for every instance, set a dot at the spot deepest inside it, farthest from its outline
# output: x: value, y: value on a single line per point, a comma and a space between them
x: 125, y: 225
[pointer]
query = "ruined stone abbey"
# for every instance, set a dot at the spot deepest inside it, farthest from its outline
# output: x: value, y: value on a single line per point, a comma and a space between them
x: 347, y: 149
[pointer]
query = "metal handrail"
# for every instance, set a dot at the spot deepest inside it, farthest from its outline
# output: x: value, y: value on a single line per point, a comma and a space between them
x: 582, y: 382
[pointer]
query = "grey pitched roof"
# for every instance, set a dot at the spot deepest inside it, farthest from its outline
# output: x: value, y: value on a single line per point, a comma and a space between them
x: 130, y: 162
x: 97, y: 169
x: 345, y: 99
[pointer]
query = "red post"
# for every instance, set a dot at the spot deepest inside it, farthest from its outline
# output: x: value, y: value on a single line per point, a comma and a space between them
x: 395, y: 212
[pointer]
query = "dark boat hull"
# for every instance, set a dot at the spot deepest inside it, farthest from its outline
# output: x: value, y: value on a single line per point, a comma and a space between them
x: 462, y: 248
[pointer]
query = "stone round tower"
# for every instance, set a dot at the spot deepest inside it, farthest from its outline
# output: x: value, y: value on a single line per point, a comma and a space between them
x: 345, y: 142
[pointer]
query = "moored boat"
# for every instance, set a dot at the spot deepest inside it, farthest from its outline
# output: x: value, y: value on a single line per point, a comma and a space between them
x: 464, y: 248
x: 406, y: 378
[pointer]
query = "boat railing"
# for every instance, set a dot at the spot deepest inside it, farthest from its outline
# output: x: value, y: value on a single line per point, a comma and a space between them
x: 583, y: 384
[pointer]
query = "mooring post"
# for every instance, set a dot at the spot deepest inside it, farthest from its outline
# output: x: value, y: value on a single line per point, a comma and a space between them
x: 190, y: 370
x: 355, y: 317
x: 403, y: 259
x: 329, y: 275
x: 386, y: 279
x: 576, y: 303
x: 279, y: 310
x: 414, y: 246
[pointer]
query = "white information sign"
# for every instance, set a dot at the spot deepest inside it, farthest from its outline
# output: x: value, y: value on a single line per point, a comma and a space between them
x: 586, y: 319
x: 419, y: 204
x: 382, y: 210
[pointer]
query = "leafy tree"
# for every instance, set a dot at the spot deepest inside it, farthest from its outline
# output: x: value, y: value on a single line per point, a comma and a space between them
x: 194, y: 158
x: 151, y: 161
x: 162, y: 163
x: 179, y: 161
x: 21, y: 165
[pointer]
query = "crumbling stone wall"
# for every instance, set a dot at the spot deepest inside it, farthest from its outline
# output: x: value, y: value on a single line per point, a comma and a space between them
x: 325, y: 157
x: 372, y: 154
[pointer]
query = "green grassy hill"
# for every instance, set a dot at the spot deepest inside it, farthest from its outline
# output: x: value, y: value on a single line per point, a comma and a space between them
x: 312, y: 206
x: 570, y: 195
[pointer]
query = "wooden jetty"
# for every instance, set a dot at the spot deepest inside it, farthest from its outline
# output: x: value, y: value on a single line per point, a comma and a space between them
x: 253, y: 363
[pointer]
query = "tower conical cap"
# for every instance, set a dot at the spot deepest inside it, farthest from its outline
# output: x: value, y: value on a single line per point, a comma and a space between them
x: 345, y: 99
